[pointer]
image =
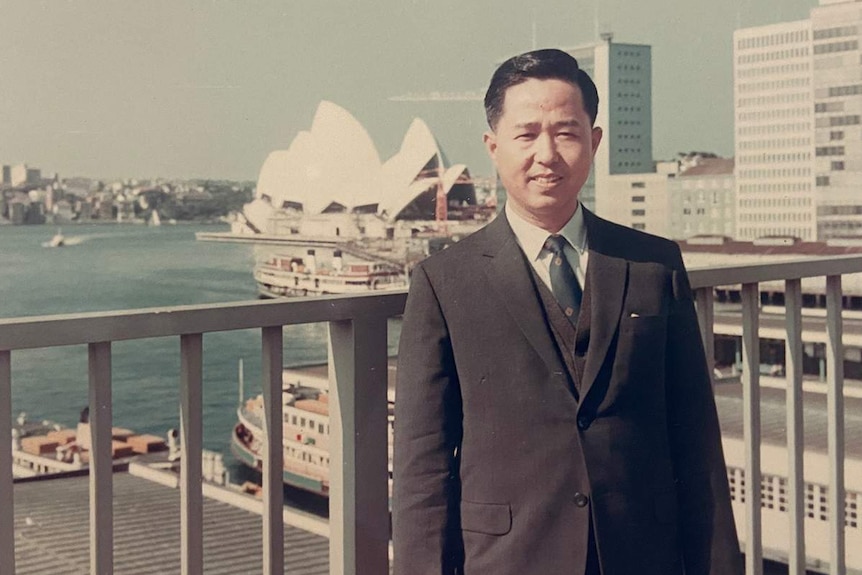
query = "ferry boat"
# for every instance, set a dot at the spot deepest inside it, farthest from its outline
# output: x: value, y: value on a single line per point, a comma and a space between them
x: 305, y: 394
x: 281, y: 275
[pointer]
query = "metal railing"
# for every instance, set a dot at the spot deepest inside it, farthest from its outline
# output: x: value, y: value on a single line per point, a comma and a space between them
x: 358, y: 410
x: 791, y: 273
x: 358, y: 444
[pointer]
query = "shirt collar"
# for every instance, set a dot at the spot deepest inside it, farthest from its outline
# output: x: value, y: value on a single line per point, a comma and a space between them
x: 532, y: 238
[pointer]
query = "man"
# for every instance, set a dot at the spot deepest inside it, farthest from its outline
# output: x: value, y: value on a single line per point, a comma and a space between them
x: 554, y: 411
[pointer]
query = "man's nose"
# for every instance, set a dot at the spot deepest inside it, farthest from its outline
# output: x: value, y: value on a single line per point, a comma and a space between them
x: 546, y: 149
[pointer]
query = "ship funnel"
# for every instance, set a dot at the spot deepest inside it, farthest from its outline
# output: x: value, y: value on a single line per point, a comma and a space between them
x: 337, y: 262
x: 310, y: 263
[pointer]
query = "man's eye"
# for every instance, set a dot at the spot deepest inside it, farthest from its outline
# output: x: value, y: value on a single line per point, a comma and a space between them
x: 567, y: 135
x: 525, y: 136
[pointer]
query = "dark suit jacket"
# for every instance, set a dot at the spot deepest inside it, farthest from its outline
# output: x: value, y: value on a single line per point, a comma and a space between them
x: 498, y: 445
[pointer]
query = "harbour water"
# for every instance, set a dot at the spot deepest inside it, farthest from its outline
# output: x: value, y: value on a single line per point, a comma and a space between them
x: 113, y: 267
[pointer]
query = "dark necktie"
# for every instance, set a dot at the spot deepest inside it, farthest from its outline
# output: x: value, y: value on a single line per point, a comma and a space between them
x: 564, y: 282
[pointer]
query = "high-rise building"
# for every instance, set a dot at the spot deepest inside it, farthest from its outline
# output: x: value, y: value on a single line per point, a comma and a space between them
x: 798, y: 109
x: 774, y: 121
x: 836, y: 30
x: 623, y: 76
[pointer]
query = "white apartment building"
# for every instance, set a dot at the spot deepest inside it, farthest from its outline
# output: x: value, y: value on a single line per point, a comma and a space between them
x: 623, y: 76
x: 641, y: 201
x: 837, y: 78
x: 679, y: 200
x: 702, y: 200
x: 21, y: 174
x: 774, y: 131
x: 798, y: 107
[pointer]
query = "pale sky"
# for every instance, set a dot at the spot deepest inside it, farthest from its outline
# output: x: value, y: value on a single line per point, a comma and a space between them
x: 207, y: 88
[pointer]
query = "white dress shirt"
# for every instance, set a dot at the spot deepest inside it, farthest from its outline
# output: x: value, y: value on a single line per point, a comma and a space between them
x: 532, y: 238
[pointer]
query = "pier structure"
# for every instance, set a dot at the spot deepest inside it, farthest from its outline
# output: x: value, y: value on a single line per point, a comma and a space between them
x: 777, y: 479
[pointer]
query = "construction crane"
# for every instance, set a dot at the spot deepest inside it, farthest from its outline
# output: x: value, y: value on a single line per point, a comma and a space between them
x: 465, y: 96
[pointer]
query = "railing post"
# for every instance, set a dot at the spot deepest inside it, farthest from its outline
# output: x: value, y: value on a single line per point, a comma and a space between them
x: 359, y: 501
x: 706, y: 319
x: 273, y: 451
x: 101, y: 461
x: 835, y: 423
x: 795, y: 427
x: 191, y: 435
x: 7, y: 499
x: 751, y: 427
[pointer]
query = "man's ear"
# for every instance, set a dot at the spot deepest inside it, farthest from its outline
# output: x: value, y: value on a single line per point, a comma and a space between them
x: 596, y: 137
x: 490, y: 139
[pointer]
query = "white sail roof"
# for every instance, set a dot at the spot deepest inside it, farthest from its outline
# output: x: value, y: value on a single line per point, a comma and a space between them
x: 334, y: 166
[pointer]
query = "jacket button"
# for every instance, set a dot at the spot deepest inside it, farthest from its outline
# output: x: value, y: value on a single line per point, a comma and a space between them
x: 581, y: 500
x: 583, y: 422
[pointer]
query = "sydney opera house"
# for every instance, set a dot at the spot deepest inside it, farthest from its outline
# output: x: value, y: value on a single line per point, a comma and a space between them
x: 331, y: 181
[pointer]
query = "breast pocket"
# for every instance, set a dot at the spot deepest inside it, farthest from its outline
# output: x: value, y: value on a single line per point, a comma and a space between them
x: 640, y: 350
x: 635, y: 322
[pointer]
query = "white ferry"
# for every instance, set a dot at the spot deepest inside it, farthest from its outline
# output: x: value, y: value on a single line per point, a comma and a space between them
x: 287, y: 275
x: 305, y: 395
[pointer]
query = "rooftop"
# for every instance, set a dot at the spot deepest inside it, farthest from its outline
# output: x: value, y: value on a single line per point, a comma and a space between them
x: 52, y: 536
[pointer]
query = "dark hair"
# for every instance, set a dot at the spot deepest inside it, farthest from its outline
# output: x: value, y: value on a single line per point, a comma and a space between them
x: 545, y: 64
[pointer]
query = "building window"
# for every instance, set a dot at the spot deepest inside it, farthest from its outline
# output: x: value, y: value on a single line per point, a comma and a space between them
x: 638, y: 212
x: 829, y: 151
x: 836, y: 135
x: 845, y: 120
x: 837, y: 91
x: 638, y: 199
x: 638, y: 184
x: 836, y: 47
x: 639, y: 226
x: 837, y: 166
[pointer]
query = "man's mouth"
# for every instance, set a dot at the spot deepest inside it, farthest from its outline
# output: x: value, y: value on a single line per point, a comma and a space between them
x: 546, y: 179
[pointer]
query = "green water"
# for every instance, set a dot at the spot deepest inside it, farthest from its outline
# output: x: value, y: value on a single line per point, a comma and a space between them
x: 113, y: 267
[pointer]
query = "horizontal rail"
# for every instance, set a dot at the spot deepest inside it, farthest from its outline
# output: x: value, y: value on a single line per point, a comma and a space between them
x: 73, y: 329
x: 780, y: 271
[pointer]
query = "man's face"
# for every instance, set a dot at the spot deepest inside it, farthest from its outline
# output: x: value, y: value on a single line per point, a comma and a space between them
x: 543, y: 147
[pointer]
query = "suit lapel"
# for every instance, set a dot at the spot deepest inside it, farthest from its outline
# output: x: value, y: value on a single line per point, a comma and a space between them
x: 606, y: 278
x: 510, y: 277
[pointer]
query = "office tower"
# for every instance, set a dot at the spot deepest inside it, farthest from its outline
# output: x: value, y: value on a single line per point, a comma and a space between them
x: 623, y: 76
x: 774, y: 120
x: 798, y: 104
x: 837, y: 80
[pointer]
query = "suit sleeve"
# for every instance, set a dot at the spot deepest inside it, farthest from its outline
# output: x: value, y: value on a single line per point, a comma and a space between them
x: 707, y: 530
x: 426, y: 527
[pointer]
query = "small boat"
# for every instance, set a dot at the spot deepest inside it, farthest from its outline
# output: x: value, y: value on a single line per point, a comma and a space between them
x: 59, y: 240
